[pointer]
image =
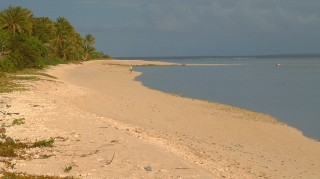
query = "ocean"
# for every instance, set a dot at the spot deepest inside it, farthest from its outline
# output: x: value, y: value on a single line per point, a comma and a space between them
x: 289, y: 92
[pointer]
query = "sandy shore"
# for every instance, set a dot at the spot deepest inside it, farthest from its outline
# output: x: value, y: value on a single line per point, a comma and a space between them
x: 111, y: 126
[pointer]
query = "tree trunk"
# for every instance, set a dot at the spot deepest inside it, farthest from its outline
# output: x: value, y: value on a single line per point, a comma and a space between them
x: 85, y: 57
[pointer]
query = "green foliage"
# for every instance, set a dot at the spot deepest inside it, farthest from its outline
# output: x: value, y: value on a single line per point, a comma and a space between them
x: 99, y: 55
x: 38, y: 45
x: 88, y: 47
x: 35, y: 42
x: 7, y: 65
x: 44, y: 143
x: 7, y: 148
x: 11, y: 175
x: 67, y: 169
x: 12, y: 149
x: 89, y: 41
x: 26, y: 51
x: 7, y: 85
x: 16, y: 19
x: 67, y: 42
x: 43, y: 29
x: 4, y: 43
x: 19, y: 121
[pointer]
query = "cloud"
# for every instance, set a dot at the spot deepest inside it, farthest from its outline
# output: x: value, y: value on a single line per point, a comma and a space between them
x: 238, y: 25
x: 216, y: 15
x: 177, y: 15
x: 111, y: 3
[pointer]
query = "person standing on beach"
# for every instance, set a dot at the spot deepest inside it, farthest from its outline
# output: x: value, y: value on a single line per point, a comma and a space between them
x: 130, y: 68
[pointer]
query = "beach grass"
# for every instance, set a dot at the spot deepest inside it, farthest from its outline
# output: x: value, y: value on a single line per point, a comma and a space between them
x: 8, y: 148
x: 44, y: 143
x: 10, y: 82
x: 18, y: 121
x: 7, y: 85
x: 12, y: 175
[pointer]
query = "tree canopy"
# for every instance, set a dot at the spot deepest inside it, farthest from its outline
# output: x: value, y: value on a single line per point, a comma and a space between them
x: 28, y: 41
x: 16, y: 19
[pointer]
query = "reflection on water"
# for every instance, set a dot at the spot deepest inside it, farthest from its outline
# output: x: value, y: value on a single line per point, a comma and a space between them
x: 289, y: 92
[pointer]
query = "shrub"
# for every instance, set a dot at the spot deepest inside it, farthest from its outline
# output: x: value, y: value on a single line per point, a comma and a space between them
x: 7, y: 65
x: 26, y: 51
x: 44, y: 143
x: 19, y: 121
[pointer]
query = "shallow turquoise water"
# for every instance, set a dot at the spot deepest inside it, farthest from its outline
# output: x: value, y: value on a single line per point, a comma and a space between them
x: 289, y: 93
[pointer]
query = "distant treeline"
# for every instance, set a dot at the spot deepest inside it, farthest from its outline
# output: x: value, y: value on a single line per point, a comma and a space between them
x: 27, y: 41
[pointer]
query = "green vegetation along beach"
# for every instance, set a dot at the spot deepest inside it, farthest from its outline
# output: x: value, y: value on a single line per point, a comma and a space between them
x: 35, y: 42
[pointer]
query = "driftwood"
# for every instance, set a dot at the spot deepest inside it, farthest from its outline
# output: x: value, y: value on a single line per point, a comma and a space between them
x: 182, y: 168
x: 111, y: 159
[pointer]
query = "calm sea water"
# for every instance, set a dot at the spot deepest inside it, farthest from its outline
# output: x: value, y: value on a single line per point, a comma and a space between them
x: 290, y: 93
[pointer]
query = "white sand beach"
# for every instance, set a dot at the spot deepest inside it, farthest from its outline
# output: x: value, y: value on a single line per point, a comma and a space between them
x: 108, y: 125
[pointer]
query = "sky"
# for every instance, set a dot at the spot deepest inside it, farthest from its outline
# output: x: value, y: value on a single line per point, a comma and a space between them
x: 146, y: 28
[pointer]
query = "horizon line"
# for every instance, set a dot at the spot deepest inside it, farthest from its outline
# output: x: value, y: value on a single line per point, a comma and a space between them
x: 220, y: 56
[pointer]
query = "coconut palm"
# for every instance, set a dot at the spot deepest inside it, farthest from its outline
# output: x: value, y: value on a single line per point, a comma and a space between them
x: 43, y: 29
x: 89, y: 40
x: 64, y: 33
x: 16, y: 19
x: 77, y: 42
x: 88, y: 46
x: 87, y: 52
x: 72, y: 47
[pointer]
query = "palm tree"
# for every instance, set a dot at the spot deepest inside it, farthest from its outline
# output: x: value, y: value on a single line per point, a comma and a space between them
x: 64, y: 32
x: 89, y: 40
x: 43, y: 29
x: 77, y: 42
x: 16, y: 19
x: 87, y: 52
x: 88, y: 46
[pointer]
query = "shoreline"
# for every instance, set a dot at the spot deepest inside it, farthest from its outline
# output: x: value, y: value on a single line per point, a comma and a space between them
x: 271, y: 120
x: 144, y: 127
x: 274, y: 120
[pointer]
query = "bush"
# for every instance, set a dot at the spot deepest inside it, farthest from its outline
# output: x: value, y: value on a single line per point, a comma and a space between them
x: 4, y: 43
x: 44, y: 143
x: 7, y: 65
x: 25, y: 51
x: 43, y: 62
